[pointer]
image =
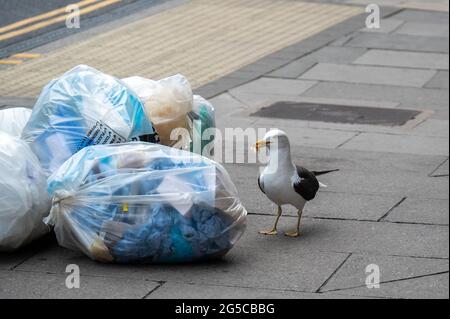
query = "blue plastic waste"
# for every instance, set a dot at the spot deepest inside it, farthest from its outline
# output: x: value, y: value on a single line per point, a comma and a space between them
x: 145, y: 203
x: 81, y: 108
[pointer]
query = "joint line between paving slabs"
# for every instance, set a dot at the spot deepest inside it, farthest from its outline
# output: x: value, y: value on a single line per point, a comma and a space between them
x: 353, y: 219
x: 437, y: 168
x: 391, y: 281
x: 334, y: 272
x: 390, y: 210
x: 23, y: 261
x: 160, y: 284
x: 348, y: 140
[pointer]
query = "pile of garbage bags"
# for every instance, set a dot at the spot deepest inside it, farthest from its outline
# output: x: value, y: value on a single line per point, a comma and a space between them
x: 142, y: 202
x: 121, y: 163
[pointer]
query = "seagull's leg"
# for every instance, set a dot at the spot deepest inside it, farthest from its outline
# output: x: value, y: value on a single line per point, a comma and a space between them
x: 296, y: 233
x: 274, y: 229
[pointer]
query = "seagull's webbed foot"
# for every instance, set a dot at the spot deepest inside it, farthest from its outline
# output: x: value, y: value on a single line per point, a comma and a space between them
x: 293, y: 234
x: 296, y: 233
x: 272, y: 232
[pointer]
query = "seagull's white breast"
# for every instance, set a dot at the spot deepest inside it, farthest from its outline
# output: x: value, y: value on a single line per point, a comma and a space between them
x: 278, y: 186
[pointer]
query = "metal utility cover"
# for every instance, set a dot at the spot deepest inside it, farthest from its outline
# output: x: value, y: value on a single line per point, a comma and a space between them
x: 337, y: 113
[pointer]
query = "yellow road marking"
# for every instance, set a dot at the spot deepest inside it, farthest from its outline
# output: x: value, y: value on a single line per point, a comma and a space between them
x: 43, y: 16
x: 46, y: 23
x: 26, y: 56
x: 10, y: 62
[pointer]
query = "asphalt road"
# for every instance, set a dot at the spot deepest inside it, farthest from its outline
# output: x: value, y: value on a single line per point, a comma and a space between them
x: 16, y: 35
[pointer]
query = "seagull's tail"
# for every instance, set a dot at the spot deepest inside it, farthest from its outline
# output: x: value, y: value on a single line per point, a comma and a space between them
x: 324, y: 172
x: 322, y: 185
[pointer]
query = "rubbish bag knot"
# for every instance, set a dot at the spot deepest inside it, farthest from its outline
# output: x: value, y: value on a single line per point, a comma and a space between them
x: 58, y: 197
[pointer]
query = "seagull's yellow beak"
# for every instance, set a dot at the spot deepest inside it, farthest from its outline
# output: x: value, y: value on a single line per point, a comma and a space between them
x: 261, y: 144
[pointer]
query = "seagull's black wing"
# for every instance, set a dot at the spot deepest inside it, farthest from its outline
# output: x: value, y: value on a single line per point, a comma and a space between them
x: 261, y: 187
x: 308, y: 185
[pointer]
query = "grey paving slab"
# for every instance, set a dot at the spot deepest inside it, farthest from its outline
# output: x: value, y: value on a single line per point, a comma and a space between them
x: 31, y: 285
x: 439, y: 81
x: 294, y: 69
x: 274, y: 86
x: 257, y: 100
x: 337, y: 55
x: 10, y: 260
x: 350, y: 206
x: 182, y: 291
x: 388, y: 181
x: 419, y: 210
x: 422, y: 16
x: 400, y: 42
x: 244, y: 74
x: 407, y: 144
x: 386, y: 26
x: 433, y: 99
x: 290, y: 268
x: 288, y: 55
x: 368, y: 75
x: 353, y: 273
x: 428, y: 287
x: 341, y: 41
x: 333, y: 54
x: 404, y: 59
x: 424, y: 29
x: 441, y: 170
x: 305, y: 136
x: 267, y: 64
x: 12, y: 101
x: 434, y: 5
x: 225, y: 105
x: 217, y: 87
x: 432, y: 127
x: 403, y: 130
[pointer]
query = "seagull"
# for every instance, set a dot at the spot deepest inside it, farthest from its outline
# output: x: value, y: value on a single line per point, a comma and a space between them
x: 283, y: 182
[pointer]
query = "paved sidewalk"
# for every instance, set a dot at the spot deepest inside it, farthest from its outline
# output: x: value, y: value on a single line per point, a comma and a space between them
x: 202, y: 39
x: 388, y: 205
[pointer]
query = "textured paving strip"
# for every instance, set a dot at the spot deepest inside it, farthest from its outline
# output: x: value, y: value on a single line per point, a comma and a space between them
x: 204, y: 39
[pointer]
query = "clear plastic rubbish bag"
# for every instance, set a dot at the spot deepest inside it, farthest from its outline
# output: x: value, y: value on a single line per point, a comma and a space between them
x: 166, y: 102
x: 23, y: 196
x: 202, y: 122
x: 13, y: 120
x: 81, y: 108
x: 145, y: 203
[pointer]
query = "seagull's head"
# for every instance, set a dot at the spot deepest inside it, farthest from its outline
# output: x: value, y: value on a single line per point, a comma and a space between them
x: 274, y: 139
